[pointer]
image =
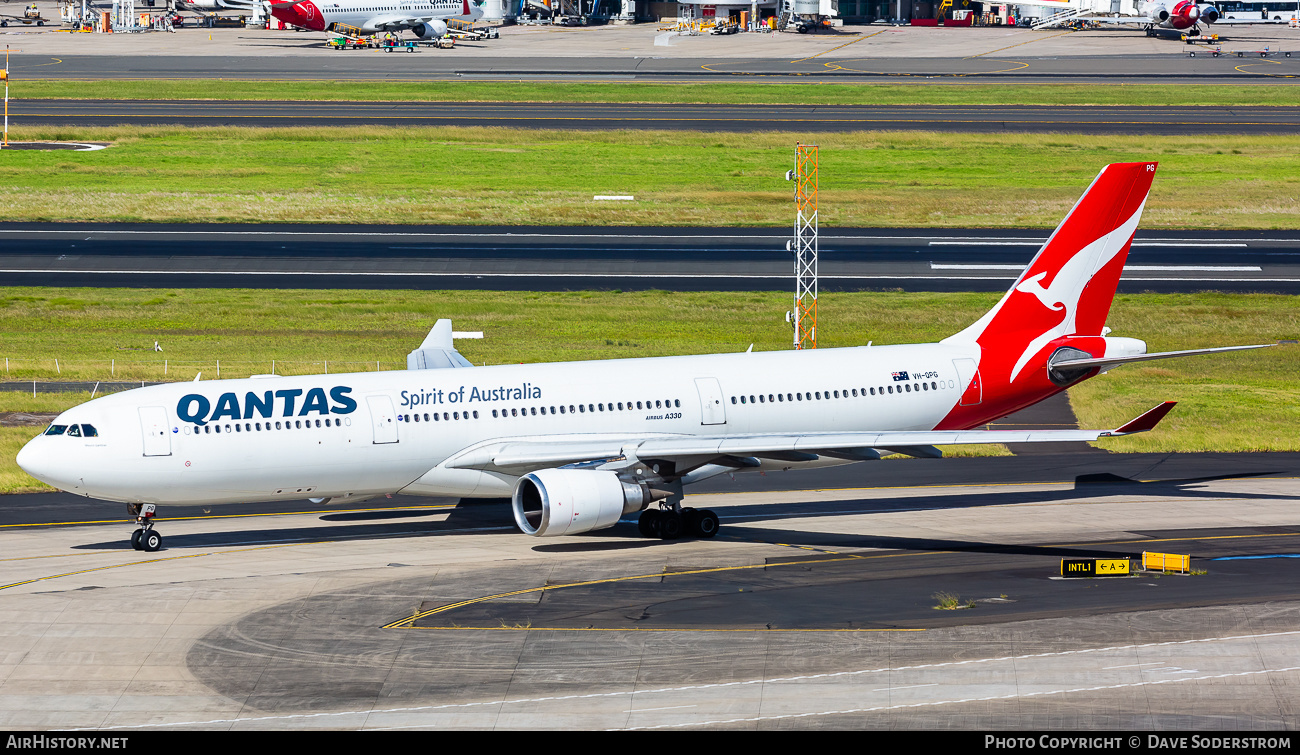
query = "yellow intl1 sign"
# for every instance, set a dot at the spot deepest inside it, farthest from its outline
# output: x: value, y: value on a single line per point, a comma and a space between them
x: 1094, y: 567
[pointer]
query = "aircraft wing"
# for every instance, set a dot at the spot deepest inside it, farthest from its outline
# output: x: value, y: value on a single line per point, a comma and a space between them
x: 691, y: 451
x: 1123, y: 20
x: 394, y: 22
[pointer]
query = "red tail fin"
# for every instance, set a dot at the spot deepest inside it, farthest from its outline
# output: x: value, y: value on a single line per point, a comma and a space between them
x: 1068, y: 287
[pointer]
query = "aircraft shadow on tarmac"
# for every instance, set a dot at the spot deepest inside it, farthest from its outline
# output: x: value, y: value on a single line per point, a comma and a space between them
x: 494, y: 515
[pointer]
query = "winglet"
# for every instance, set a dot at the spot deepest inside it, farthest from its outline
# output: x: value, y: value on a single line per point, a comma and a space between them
x: 1145, y: 422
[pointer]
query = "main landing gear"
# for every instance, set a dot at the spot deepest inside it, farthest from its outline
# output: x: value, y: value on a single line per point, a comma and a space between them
x: 145, y: 538
x: 676, y: 522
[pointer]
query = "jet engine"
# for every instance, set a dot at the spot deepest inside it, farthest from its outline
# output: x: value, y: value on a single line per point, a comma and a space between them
x: 430, y: 29
x: 1209, y: 13
x: 552, y: 502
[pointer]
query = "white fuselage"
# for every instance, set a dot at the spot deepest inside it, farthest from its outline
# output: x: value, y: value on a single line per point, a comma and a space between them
x: 365, y: 434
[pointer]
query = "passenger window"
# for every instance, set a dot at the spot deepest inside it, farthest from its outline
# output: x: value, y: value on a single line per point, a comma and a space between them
x: 873, y: 391
x: 552, y: 410
x: 514, y: 412
x: 891, y: 389
x: 907, y: 387
x: 751, y: 398
x: 733, y: 399
x: 582, y: 408
x: 677, y: 403
x: 570, y: 408
x: 207, y: 429
x: 761, y: 400
x: 780, y: 397
x: 217, y: 429
x: 819, y: 395
x: 789, y: 397
x: 475, y: 415
x: 855, y: 393
x: 561, y: 408
x: 74, y: 431
x: 743, y: 400
x: 799, y: 396
x: 934, y: 386
x: 601, y: 407
x: 56, y: 429
x: 925, y: 386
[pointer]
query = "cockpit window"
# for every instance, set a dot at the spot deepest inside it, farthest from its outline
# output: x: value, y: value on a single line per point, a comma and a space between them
x: 56, y: 429
x: 89, y: 431
x: 74, y: 431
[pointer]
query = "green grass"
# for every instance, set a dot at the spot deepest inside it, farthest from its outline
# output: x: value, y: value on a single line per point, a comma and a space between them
x: 493, y: 175
x: 1244, y: 401
x: 684, y: 93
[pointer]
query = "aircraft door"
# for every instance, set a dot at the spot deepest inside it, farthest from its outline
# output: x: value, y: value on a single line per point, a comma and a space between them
x: 968, y: 381
x: 153, y: 425
x: 382, y: 418
x: 712, y: 410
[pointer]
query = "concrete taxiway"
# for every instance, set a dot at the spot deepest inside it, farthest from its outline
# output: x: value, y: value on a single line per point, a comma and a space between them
x: 1199, y: 120
x: 552, y: 258
x: 645, y: 52
x: 812, y: 609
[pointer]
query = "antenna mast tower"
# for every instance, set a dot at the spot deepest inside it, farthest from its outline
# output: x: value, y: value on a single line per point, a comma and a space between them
x: 805, y: 247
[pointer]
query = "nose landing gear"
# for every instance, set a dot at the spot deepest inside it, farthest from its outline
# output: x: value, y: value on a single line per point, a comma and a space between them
x: 145, y: 538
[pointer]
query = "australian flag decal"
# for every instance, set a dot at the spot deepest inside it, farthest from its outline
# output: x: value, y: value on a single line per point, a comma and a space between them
x: 900, y: 376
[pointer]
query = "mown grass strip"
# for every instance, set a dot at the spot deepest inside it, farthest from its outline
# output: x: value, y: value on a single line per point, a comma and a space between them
x: 512, y: 176
x: 744, y: 93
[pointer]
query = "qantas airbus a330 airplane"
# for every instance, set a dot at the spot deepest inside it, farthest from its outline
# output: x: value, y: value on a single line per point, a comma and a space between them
x: 578, y: 445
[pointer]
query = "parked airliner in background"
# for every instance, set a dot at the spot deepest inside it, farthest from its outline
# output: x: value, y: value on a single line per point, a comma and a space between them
x: 427, y: 19
x: 1185, y: 15
x: 578, y: 445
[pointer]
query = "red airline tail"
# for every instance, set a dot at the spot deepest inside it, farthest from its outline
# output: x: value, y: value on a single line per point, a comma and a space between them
x: 1064, y: 295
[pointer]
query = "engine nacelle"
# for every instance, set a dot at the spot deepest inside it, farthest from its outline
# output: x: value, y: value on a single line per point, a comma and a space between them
x: 1209, y: 13
x: 430, y: 29
x: 552, y: 502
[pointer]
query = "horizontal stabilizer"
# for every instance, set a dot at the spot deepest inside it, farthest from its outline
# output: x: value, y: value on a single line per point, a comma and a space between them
x: 1125, y: 359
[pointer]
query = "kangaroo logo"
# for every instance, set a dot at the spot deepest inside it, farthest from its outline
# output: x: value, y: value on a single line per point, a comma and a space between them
x: 1062, y: 294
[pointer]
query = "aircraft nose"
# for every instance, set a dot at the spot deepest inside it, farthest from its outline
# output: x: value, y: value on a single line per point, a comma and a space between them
x: 38, y: 460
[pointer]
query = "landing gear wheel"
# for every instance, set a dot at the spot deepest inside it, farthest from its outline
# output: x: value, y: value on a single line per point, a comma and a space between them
x: 646, y: 524
x: 705, y: 524
x: 150, y: 541
x: 135, y: 539
x: 669, y: 525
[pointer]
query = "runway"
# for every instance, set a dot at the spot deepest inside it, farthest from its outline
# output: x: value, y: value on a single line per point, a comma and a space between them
x: 814, y: 608
x: 1096, y: 120
x: 550, y: 258
x: 311, y: 61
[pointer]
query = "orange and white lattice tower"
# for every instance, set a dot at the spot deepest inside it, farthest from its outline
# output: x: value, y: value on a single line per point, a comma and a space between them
x: 804, y: 246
